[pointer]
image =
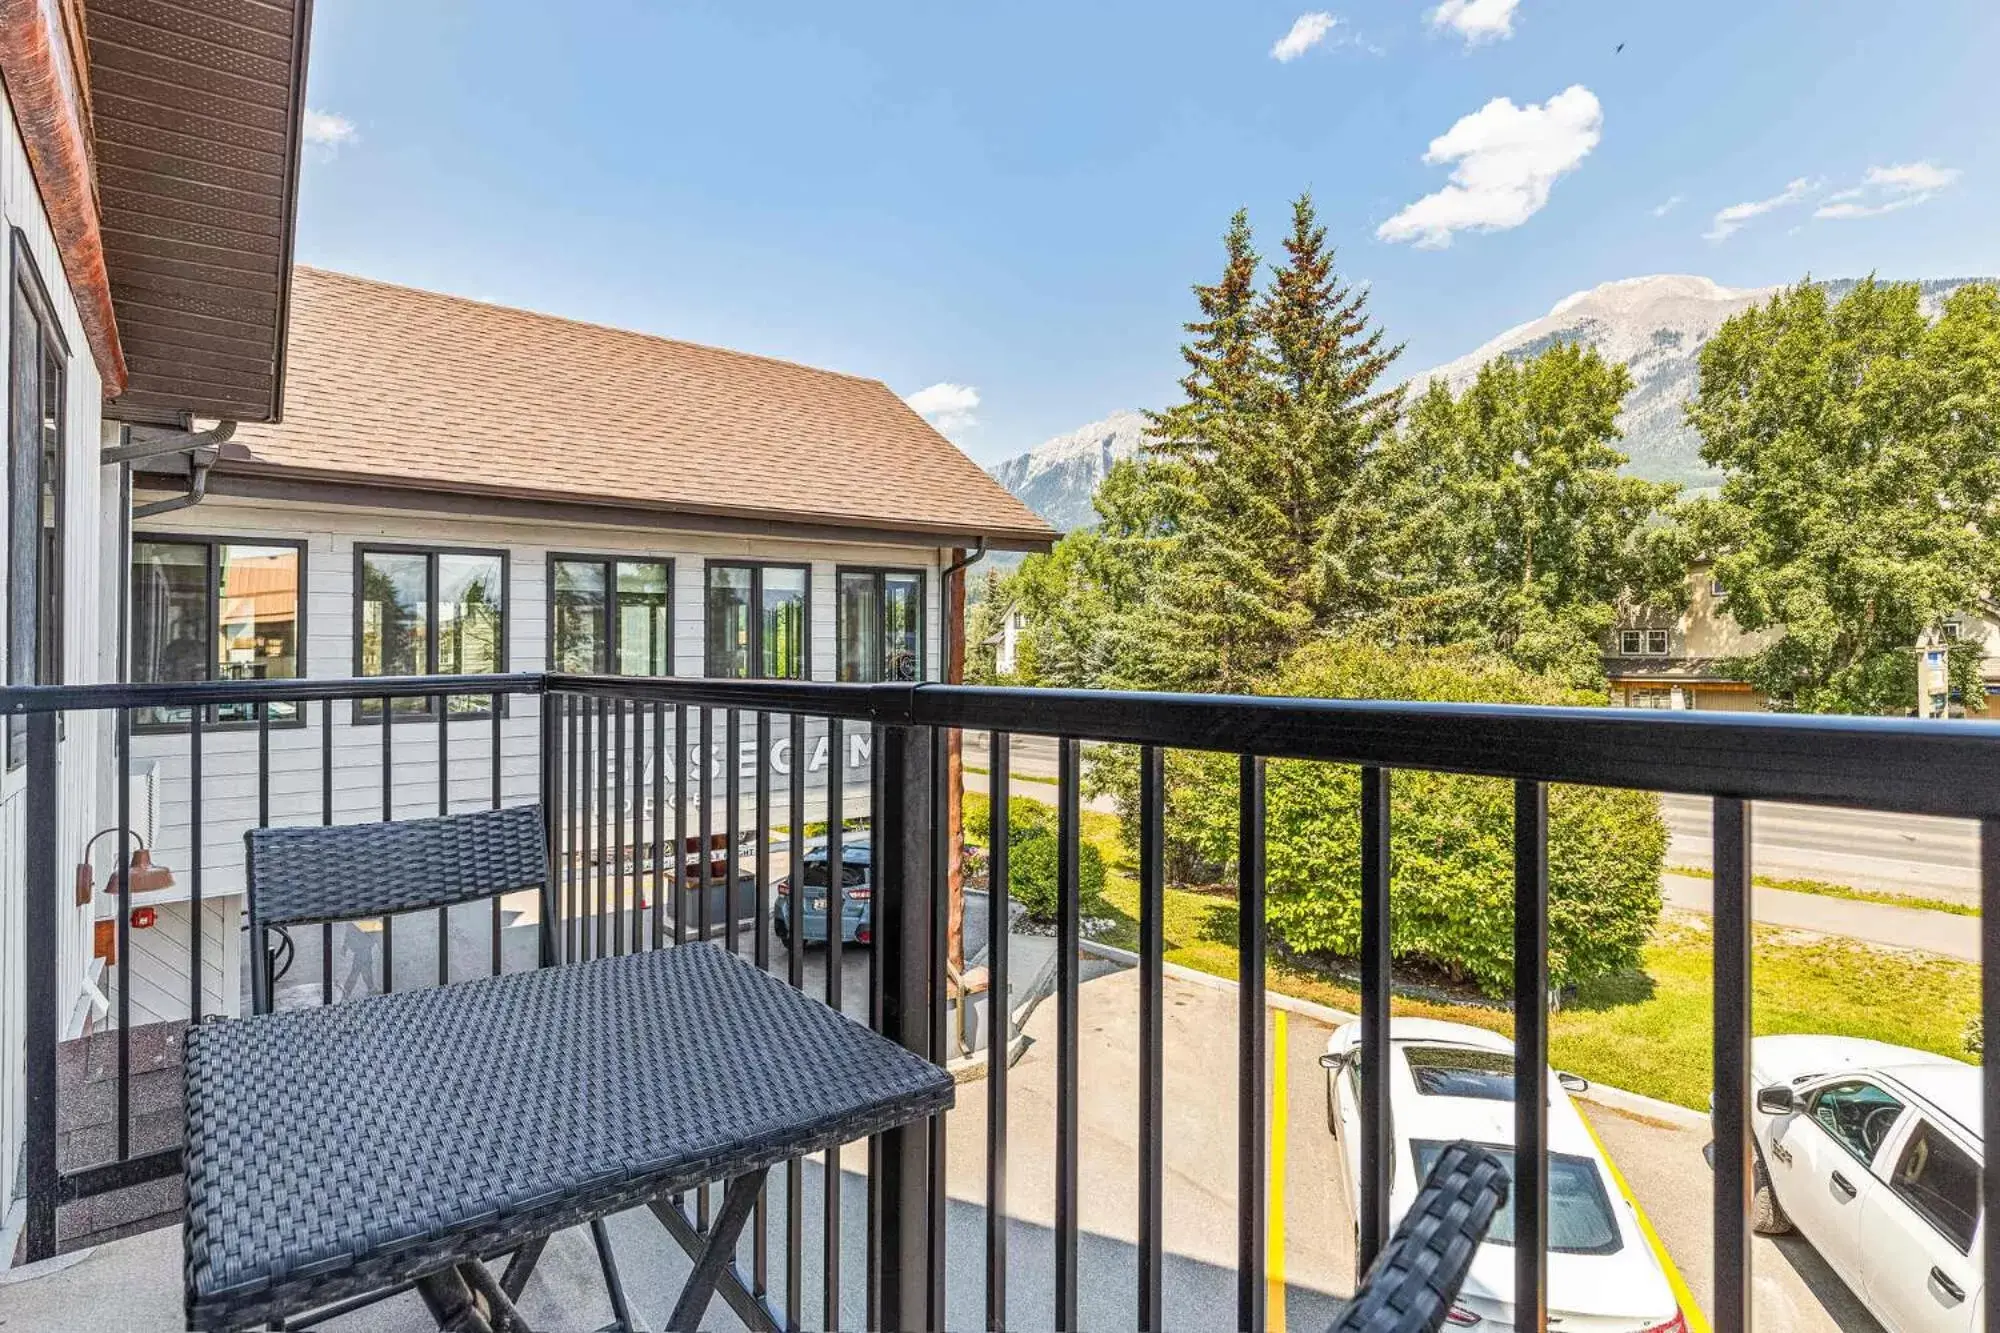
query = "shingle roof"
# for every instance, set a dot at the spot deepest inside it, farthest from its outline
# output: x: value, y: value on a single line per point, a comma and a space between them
x: 390, y: 385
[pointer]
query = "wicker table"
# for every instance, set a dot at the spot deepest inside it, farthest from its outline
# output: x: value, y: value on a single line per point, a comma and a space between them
x: 401, y: 1139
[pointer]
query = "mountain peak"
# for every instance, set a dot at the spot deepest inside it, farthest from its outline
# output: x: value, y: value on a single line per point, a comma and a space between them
x: 1058, y: 476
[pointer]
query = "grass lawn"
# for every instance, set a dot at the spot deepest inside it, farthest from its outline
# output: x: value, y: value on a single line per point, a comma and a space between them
x: 1647, y: 1031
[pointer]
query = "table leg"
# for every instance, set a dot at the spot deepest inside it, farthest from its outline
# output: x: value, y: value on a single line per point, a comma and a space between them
x: 499, y: 1305
x: 716, y: 1254
x: 451, y: 1303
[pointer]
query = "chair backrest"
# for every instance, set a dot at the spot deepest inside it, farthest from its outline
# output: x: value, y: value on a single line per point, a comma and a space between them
x: 345, y: 872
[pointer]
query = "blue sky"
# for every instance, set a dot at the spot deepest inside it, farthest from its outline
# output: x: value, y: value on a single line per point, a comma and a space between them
x: 1014, y: 198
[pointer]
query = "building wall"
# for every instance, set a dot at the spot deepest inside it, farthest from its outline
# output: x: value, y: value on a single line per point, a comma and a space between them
x: 230, y: 795
x: 90, y: 549
x: 1704, y: 629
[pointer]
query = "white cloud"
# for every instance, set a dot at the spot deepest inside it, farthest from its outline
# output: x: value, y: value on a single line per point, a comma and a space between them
x: 1477, y: 21
x: 1507, y: 158
x: 1661, y: 210
x: 1886, y: 189
x: 1730, y: 220
x: 1308, y: 31
x: 323, y: 129
x: 945, y: 405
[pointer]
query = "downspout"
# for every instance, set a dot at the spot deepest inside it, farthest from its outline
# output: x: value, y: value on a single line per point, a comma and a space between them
x: 199, y: 462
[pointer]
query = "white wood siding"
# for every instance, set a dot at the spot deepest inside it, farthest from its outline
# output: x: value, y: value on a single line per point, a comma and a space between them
x: 89, y: 551
x: 331, y: 534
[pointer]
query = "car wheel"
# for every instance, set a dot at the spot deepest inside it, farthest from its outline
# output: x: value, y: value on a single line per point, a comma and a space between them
x: 1767, y: 1215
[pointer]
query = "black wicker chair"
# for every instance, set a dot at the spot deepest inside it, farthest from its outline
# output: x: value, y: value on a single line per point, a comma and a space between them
x: 1414, y: 1280
x: 351, y: 872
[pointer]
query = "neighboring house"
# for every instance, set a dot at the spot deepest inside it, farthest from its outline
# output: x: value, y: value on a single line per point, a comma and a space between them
x: 459, y: 487
x: 148, y: 171
x: 1005, y: 642
x: 1661, y: 658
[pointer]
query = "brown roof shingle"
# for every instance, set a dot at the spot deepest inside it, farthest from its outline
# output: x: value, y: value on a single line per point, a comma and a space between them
x: 389, y: 385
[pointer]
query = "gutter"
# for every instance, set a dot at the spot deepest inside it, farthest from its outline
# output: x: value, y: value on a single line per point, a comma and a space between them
x: 49, y: 107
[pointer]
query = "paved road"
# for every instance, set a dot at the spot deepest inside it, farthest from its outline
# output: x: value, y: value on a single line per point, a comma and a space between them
x: 1868, y: 849
x: 1942, y: 933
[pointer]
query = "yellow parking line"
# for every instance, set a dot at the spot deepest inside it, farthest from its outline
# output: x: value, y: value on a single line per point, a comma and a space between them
x: 1697, y: 1322
x: 1274, y: 1232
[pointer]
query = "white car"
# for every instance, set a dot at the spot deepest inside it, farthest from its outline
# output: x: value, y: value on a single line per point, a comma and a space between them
x: 1449, y: 1081
x: 1874, y: 1153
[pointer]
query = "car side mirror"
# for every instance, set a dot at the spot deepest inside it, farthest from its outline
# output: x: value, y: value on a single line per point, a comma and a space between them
x: 1573, y: 1083
x: 1776, y: 1099
x: 1330, y: 1060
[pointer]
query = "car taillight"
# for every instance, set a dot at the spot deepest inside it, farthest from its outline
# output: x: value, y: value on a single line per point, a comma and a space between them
x: 1460, y: 1317
x: 784, y: 888
x: 858, y: 895
x: 1678, y: 1324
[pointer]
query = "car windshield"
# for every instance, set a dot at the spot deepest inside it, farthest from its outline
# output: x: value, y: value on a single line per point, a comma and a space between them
x: 1580, y: 1218
x: 1461, y: 1071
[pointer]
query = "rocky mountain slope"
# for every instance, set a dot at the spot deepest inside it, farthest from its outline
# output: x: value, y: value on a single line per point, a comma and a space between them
x: 1056, y: 478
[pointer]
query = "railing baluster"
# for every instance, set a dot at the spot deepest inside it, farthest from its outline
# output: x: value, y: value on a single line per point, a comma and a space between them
x: 616, y: 810
x: 760, y: 1258
x: 704, y: 868
x: 439, y: 702
x: 999, y: 1027
x: 573, y: 822
x: 836, y: 911
x: 544, y: 795
x: 1152, y: 956
x: 661, y: 881
x: 1730, y: 835
x: 600, y: 883
x: 1376, y: 1143
x: 1068, y: 941
x: 40, y: 922
x: 1989, y: 1011
x: 732, y: 823
x: 943, y: 857
x: 325, y: 817
x: 124, y: 905
x: 548, y: 907
x: 194, y: 864
x: 795, y: 956
x: 637, y: 932
x: 1529, y: 1195
x: 681, y: 780
x: 1251, y: 1131
x: 388, y: 813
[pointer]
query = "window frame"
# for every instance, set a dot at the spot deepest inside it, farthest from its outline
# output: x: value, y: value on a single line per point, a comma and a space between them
x: 1666, y: 642
x: 1637, y: 636
x: 610, y: 628
x: 1893, y: 1135
x: 45, y: 579
x: 757, y: 568
x: 214, y: 578
x: 362, y: 550
x: 1920, y: 1121
x: 877, y: 572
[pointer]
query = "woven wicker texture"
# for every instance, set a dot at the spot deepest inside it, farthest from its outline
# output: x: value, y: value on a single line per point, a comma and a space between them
x: 1417, y: 1276
x: 345, y: 871
x: 336, y: 1151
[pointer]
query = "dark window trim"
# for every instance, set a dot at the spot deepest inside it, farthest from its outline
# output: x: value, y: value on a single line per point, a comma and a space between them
x: 214, y: 575
x: 881, y: 608
x: 362, y: 550
x: 757, y: 568
x: 611, y: 562
x: 25, y: 275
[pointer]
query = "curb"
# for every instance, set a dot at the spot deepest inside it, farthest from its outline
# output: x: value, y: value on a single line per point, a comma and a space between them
x: 1600, y: 1094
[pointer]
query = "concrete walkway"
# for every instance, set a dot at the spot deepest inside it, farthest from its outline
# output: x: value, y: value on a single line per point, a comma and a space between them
x: 1872, y: 923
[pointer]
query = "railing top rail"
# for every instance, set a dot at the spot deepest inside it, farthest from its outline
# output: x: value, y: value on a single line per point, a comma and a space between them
x: 1897, y: 764
x: 21, y: 699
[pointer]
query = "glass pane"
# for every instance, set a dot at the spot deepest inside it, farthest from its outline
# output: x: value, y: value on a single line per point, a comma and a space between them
x: 169, y: 620
x: 51, y: 434
x: 469, y: 621
x: 579, y: 616
x: 1579, y: 1218
x: 1858, y: 1115
x: 257, y: 622
x: 902, y: 626
x: 642, y: 618
x: 782, y: 624
x: 857, y: 621
x: 24, y: 492
x: 727, y: 651
x: 395, y: 595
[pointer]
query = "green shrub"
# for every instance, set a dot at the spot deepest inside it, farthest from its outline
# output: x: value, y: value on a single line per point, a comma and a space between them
x: 1031, y: 855
x: 1451, y: 837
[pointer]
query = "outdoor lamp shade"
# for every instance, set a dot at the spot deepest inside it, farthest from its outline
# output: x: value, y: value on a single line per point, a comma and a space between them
x: 142, y: 875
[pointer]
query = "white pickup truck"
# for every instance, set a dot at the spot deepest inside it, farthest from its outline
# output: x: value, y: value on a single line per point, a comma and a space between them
x: 1873, y: 1153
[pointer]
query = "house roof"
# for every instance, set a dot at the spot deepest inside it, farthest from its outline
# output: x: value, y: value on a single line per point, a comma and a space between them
x: 392, y: 388
x: 1709, y: 669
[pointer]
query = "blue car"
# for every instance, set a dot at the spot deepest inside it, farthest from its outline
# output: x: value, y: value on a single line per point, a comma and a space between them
x: 856, y: 925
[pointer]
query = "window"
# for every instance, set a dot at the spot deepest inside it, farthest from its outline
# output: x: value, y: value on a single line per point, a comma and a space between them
x: 1937, y: 1178
x: 1954, y: 631
x: 1858, y: 1115
x: 421, y: 612
x: 610, y: 616
x: 1716, y: 590
x: 1580, y: 1220
x: 206, y: 609
x: 1631, y: 642
x: 756, y: 621
x: 38, y: 370
x: 1460, y: 1071
x: 879, y: 624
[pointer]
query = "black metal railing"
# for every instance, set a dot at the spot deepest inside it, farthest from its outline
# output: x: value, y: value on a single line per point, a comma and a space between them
x: 640, y: 799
